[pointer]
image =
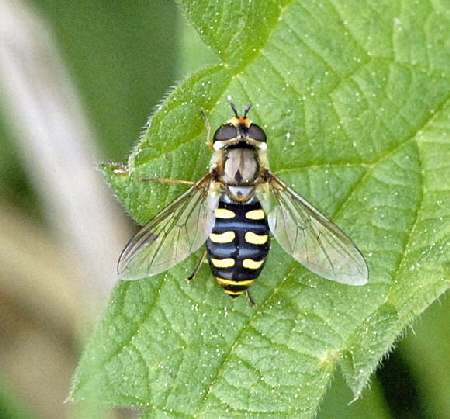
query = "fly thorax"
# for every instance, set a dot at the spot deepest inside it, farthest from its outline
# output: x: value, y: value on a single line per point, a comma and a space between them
x: 241, y: 167
x: 241, y: 170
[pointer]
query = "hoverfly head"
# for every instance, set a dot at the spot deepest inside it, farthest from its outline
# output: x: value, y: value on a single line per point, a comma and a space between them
x: 239, y: 129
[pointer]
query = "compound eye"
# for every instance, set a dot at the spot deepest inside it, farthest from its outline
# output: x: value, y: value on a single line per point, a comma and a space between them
x: 226, y: 132
x: 256, y: 133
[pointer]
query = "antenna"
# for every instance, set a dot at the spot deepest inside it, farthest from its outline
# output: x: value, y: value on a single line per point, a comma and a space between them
x: 247, y: 108
x: 233, y: 106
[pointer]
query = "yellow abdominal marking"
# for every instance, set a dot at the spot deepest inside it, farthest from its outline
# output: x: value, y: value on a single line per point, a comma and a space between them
x: 224, y: 213
x: 226, y: 237
x: 223, y: 281
x: 252, y: 264
x: 254, y: 238
x: 223, y: 263
x: 235, y: 292
x: 255, y: 214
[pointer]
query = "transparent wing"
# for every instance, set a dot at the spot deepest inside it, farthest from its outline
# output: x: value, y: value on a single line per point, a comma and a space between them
x: 175, y: 233
x: 310, y: 237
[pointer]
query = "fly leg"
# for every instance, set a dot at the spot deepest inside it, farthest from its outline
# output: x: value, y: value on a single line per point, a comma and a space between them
x: 122, y: 170
x: 197, y: 268
x: 167, y: 180
x: 208, y: 128
x: 250, y: 299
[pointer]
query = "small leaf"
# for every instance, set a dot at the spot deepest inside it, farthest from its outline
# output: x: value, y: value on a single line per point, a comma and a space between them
x: 354, y: 99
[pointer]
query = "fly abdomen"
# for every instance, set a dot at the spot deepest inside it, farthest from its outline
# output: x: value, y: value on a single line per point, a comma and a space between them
x: 238, y: 245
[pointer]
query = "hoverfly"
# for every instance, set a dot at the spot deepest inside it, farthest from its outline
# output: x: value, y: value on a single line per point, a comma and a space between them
x: 233, y: 209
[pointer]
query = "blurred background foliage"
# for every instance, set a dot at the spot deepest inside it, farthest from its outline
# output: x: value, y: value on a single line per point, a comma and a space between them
x: 121, y: 58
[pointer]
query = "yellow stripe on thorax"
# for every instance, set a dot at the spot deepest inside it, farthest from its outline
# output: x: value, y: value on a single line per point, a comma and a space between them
x: 252, y: 264
x: 224, y: 213
x: 255, y: 214
x: 223, y: 263
x: 226, y: 237
x: 254, y: 238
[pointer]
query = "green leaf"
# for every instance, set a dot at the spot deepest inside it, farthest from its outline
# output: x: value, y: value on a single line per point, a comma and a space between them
x: 354, y: 97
